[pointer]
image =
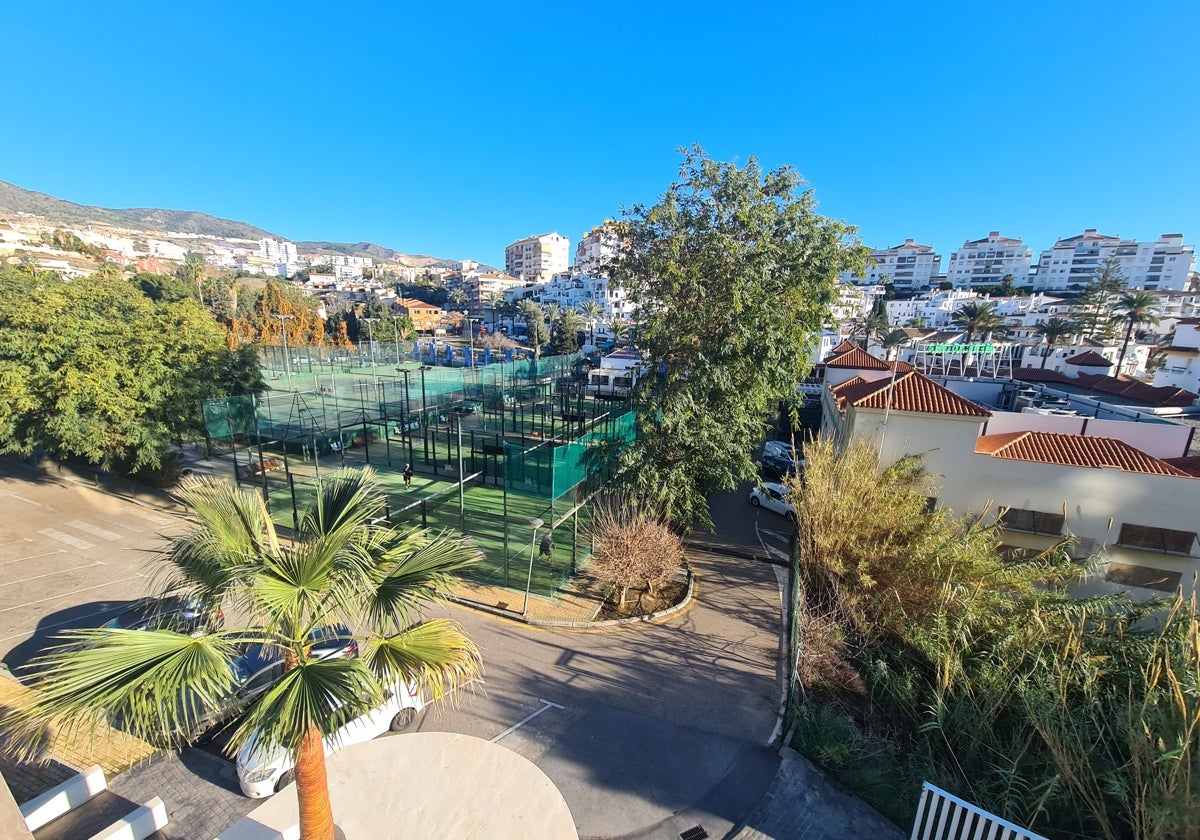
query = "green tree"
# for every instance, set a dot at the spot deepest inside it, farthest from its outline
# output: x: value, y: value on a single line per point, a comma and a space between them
x: 1054, y: 332
x: 893, y: 341
x: 593, y: 312
x: 162, y: 287
x: 1134, y: 308
x: 493, y: 301
x: 876, y: 323
x: 978, y: 317
x: 340, y: 568
x: 535, y: 325
x: 733, y: 272
x: 457, y: 298
x: 566, y: 331
x: 94, y: 369
x: 192, y: 272
x: 1098, y: 298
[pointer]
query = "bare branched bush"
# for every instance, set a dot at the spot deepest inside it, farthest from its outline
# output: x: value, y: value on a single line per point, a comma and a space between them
x: 632, y: 548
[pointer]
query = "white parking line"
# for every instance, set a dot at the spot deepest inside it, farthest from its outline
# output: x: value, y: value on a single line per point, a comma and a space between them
x: 14, y: 542
x: 67, y: 594
x: 150, y: 517
x: 112, y: 520
x: 33, y: 557
x: 546, y: 704
x: 74, y: 542
x: 79, y: 619
x: 89, y: 528
x: 21, y: 498
x: 52, y: 574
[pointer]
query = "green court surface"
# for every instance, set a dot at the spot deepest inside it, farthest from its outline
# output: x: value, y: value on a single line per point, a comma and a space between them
x: 504, y: 540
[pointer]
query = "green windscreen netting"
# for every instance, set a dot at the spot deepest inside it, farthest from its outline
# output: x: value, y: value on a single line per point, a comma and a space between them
x: 553, y: 470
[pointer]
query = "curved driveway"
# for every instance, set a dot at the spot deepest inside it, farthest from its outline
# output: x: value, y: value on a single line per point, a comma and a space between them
x: 661, y: 727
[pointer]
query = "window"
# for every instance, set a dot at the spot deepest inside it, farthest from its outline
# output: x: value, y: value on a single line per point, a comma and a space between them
x: 1032, y: 521
x: 1165, y: 540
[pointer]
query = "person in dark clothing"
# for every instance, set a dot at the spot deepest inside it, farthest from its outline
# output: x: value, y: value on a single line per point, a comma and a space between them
x: 546, y: 550
x: 408, y: 472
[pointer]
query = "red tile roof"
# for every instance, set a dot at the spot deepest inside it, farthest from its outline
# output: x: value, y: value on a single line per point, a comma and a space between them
x: 1074, y: 451
x: 1089, y: 358
x: 849, y: 383
x: 1027, y: 374
x: 856, y: 357
x: 844, y: 347
x: 913, y: 393
x: 1189, y: 464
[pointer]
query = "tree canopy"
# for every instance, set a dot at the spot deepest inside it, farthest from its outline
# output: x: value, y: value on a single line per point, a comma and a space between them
x: 733, y: 271
x: 93, y: 368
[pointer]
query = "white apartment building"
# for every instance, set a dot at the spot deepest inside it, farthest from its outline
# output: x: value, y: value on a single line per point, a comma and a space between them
x: 1160, y: 265
x: 597, y: 249
x: 537, y: 258
x: 933, y: 309
x: 573, y: 290
x: 987, y: 261
x: 479, y: 284
x: 1182, y: 366
x: 279, y: 252
x: 855, y: 302
x: 908, y: 266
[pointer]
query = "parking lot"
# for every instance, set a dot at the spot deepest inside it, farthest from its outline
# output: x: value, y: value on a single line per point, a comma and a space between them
x: 70, y: 557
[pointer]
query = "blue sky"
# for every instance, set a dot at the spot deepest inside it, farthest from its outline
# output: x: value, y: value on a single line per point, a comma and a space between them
x: 454, y: 128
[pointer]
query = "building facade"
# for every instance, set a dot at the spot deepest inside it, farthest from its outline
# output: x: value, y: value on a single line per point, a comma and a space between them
x: 987, y: 261
x: 537, y: 258
x: 909, y: 266
x: 1162, y: 265
x: 597, y: 249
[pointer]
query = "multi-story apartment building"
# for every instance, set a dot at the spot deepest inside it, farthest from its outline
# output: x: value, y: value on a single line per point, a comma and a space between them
x: 1160, y: 265
x: 573, y: 290
x: 597, y: 249
x: 987, y: 261
x: 280, y: 252
x: 479, y: 285
x: 908, y: 266
x: 537, y: 258
x: 1182, y: 366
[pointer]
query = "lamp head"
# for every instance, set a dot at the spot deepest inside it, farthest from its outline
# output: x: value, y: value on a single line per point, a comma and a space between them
x: 536, y: 523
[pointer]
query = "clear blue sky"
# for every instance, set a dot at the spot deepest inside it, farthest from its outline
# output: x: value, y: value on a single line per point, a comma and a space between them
x: 454, y: 128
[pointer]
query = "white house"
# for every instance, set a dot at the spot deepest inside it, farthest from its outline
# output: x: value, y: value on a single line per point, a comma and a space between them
x: 987, y: 261
x: 907, y: 266
x: 1127, y: 491
x: 1160, y: 265
x: 1182, y: 366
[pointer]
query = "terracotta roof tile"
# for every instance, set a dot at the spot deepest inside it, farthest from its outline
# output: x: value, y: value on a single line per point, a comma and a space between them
x: 1089, y: 358
x: 1189, y: 464
x: 1026, y: 374
x: 846, y: 346
x: 1074, y: 451
x: 856, y: 357
x: 913, y: 393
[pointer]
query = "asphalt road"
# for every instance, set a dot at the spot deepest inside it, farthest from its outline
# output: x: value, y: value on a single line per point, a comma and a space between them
x: 648, y: 732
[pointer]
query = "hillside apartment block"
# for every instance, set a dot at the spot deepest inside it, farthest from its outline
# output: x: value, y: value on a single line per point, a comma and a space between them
x: 1165, y: 264
x: 1124, y: 485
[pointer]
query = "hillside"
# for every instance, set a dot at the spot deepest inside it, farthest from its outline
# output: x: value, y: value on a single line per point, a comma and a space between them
x: 14, y: 199
x: 378, y: 252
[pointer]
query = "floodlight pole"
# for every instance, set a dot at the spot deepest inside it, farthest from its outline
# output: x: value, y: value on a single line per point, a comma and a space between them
x: 371, y: 346
x: 287, y: 363
x: 536, y: 523
x: 462, y: 508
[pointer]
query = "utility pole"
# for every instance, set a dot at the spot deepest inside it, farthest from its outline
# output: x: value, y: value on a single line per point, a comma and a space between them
x: 287, y: 363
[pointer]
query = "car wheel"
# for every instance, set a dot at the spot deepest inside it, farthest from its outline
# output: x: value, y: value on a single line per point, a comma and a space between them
x: 754, y: 501
x: 404, y: 718
x: 285, y: 780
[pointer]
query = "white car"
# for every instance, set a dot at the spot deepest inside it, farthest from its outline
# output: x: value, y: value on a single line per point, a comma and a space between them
x: 774, y: 497
x: 266, y: 768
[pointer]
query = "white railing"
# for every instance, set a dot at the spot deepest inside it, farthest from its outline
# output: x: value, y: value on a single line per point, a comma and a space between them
x: 943, y: 816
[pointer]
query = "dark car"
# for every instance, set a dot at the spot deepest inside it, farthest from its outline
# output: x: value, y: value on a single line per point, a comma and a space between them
x: 780, y: 464
x: 260, y: 666
x: 181, y: 613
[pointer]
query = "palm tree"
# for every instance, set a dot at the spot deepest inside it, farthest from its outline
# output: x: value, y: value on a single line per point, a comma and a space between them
x: 981, y: 317
x: 458, y: 297
x: 894, y: 340
x: 620, y: 330
x: 1053, y: 332
x: 535, y: 325
x: 493, y: 300
x: 1135, y: 308
x: 341, y: 568
x: 592, y: 311
x: 566, y: 329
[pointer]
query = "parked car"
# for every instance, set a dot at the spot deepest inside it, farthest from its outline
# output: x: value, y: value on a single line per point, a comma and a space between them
x: 265, y: 768
x: 774, y: 497
x: 259, y: 667
x: 778, y: 447
x: 181, y: 613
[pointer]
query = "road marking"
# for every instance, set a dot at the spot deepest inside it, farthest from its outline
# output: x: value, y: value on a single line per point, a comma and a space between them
x: 52, y: 574
x: 65, y: 594
x: 775, y: 535
x: 546, y: 704
x: 33, y: 556
x: 89, y: 528
x: 22, y: 498
x: 14, y: 542
x: 76, y: 619
x: 74, y: 542
x: 150, y: 517
x: 112, y: 520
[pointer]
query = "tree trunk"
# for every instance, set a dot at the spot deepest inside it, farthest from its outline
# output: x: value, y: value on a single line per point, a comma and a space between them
x: 1046, y: 355
x: 312, y: 789
x: 1124, y: 347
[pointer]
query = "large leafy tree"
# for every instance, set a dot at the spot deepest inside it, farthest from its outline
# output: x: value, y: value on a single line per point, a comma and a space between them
x: 1097, y: 300
x: 94, y: 369
x: 535, y: 325
x: 342, y: 567
x: 733, y: 271
x: 1054, y: 332
x: 1135, y: 308
x: 567, y: 325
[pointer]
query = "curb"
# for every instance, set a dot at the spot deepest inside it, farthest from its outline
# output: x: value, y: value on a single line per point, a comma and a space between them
x: 608, y: 624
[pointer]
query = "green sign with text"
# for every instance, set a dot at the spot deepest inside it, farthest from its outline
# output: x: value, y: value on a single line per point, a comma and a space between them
x: 961, y: 348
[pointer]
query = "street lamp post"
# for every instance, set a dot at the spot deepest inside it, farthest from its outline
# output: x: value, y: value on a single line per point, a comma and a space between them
x: 371, y: 347
x: 535, y: 523
x: 287, y: 366
x: 470, y: 334
x: 396, y: 337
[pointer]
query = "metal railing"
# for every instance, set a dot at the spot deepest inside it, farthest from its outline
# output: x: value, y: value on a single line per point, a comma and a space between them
x: 943, y: 816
